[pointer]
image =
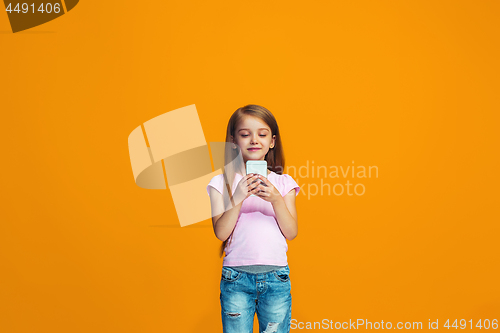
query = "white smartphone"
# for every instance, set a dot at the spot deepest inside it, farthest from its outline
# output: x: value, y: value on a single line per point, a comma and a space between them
x: 259, y: 167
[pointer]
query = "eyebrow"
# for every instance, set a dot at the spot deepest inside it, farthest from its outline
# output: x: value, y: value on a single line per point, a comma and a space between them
x: 243, y: 129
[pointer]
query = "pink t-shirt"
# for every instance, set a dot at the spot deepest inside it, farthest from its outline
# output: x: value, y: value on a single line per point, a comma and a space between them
x: 257, y: 237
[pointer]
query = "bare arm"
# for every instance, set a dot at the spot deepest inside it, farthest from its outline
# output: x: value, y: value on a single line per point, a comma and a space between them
x: 223, y: 221
x: 286, y: 215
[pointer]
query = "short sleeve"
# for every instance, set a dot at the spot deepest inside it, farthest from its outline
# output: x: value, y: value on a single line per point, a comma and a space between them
x: 217, y: 183
x: 289, y: 185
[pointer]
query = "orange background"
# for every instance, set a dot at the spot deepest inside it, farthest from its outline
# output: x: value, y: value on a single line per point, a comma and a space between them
x: 411, y: 87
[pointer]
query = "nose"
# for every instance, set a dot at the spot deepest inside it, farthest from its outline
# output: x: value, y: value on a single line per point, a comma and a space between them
x: 254, y: 139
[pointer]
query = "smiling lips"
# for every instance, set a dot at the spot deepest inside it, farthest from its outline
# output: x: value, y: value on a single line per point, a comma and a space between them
x: 253, y: 149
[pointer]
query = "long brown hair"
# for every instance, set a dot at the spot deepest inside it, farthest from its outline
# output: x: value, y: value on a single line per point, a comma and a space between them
x: 274, y: 157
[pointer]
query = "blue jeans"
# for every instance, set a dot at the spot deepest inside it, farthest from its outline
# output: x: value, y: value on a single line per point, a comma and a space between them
x: 243, y: 294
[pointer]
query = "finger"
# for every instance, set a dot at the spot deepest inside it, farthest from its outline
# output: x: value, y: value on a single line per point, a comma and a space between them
x: 255, y: 189
x: 264, y: 180
x: 251, y: 185
x: 250, y: 175
x: 252, y: 179
x: 261, y: 189
x: 262, y: 193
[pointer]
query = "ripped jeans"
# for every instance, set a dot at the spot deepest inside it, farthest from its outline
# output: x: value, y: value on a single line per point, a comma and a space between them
x: 243, y: 294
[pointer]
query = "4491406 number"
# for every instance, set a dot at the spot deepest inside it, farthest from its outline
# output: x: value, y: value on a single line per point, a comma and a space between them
x: 481, y: 324
x: 30, y: 8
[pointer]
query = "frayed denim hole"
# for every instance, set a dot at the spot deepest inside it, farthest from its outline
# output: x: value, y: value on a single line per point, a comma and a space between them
x: 230, y: 275
x: 282, y: 276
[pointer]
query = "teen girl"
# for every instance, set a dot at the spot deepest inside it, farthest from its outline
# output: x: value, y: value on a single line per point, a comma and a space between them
x: 254, y: 229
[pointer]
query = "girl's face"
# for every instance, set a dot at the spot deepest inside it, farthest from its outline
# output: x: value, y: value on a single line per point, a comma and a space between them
x: 253, y: 136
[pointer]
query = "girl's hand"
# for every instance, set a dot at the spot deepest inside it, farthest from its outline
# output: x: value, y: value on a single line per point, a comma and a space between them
x: 244, y: 187
x: 267, y: 192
